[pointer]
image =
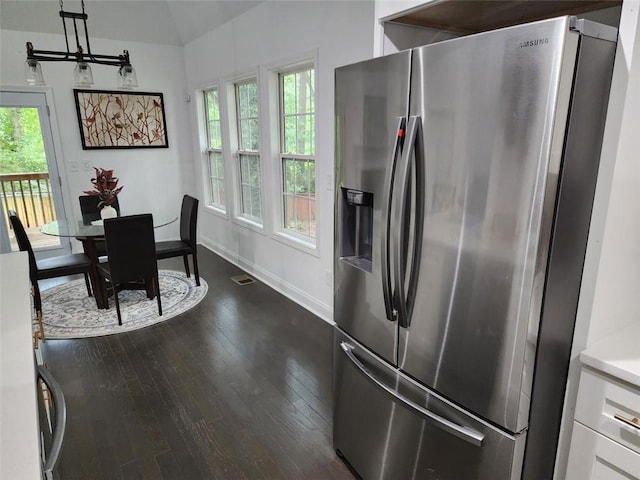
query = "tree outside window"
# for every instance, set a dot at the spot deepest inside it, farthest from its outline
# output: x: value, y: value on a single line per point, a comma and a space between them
x: 297, y: 150
x: 248, y: 149
x: 214, y: 148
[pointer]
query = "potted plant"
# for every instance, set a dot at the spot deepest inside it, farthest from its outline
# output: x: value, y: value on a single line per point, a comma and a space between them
x: 106, y: 188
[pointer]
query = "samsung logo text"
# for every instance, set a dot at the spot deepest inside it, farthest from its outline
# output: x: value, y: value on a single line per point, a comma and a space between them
x: 533, y: 42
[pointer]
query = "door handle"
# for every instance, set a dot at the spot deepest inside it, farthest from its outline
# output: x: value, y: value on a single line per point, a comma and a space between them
x: 387, y: 202
x: 406, y: 293
x: 633, y: 422
x: 465, y: 433
x: 61, y: 419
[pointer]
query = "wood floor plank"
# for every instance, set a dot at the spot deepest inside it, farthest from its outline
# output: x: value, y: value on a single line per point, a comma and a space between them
x: 239, y: 387
x: 133, y: 471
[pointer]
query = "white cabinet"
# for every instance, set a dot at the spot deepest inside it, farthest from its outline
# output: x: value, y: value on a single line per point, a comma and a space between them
x: 605, y: 444
x: 19, y: 429
x: 596, y: 457
x: 609, y: 406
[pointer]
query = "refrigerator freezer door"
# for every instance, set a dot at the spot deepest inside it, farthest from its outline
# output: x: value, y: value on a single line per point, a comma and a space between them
x: 388, y: 427
x: 493, y: 105
x: 372, y: 99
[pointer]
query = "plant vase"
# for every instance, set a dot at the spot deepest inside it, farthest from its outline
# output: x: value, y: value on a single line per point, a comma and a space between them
x: 108, y: 212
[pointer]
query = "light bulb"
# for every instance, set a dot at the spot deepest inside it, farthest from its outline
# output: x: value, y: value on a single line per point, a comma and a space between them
x: 82, y: 75
x: 126, y: 77
x: 33, y: 72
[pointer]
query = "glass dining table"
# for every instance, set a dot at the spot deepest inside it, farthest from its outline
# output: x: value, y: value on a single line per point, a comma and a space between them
x: 88, y: 233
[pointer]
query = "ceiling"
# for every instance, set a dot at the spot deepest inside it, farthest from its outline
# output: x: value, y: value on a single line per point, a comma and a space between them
x: 166, y: 22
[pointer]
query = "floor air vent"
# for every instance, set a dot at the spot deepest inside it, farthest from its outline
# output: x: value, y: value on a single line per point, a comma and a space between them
x: 242, y: 279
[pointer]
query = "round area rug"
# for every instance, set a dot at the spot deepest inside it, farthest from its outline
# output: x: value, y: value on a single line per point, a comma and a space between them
x: 67, y: 311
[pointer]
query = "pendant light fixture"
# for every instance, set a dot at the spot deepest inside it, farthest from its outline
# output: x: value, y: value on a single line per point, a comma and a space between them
x: 82, y: 74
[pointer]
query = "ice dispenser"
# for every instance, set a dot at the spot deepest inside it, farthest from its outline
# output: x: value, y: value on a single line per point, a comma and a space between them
x: 357, y: 228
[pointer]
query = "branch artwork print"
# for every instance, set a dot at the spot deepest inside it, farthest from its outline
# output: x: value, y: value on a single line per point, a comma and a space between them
x: 121, y: 119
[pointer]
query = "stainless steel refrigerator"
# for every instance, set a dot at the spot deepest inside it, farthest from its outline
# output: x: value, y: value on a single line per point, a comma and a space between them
x: 465, y: 175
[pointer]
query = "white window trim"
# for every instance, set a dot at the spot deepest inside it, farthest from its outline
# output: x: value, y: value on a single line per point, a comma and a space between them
x: 210, y: 206
x: 251, y: 219
x: 287, y: 237
x: 237, y: 217
x: 201, y: 117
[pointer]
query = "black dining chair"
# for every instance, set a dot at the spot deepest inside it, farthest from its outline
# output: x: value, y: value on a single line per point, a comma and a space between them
x: 53, y: 267
x: 90, y: 212
x: 131, y: 258
x: 187, y: 244
x: 89, y: 208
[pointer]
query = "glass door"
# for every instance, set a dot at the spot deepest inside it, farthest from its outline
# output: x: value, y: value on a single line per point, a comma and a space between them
x: 29, y: 179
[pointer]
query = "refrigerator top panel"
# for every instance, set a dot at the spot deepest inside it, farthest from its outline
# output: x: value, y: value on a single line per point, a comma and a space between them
x: 372, y: 99
x: 493, y: 109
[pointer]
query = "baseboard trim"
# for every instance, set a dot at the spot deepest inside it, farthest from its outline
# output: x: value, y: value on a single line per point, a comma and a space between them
x: 289, y: 290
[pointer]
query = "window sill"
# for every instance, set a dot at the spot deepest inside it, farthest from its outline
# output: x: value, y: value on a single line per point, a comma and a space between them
x: 211, y: 209
x: 250, y: 224
x: 298, y: 243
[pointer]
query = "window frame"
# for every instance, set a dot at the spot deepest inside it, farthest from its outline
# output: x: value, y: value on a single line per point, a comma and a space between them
x: 288, y: 235
x: 209, y: 150
x: 234, y: 120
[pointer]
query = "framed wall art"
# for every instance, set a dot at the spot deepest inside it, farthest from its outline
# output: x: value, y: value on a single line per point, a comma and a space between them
x: 117, y: 119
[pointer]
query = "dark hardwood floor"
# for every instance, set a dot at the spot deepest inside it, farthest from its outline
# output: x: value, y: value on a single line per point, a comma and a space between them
x: 239, y: 387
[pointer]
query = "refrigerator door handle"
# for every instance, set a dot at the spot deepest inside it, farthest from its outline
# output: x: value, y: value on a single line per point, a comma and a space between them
x: 405, y: 293
x: 391, y: 172
x: 465, y: 433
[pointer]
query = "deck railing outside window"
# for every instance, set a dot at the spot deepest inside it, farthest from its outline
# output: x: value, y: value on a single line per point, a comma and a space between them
x: 29, y: 194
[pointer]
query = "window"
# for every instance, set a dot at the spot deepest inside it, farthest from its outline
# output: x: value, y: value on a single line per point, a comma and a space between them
x: 248, y: 149
x: 214, y: 148
x: 297, y: 150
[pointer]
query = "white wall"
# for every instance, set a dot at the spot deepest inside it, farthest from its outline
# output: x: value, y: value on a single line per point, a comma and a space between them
x: 389, y: 9
x: 616, y: 302
x: 397, y: 37
x: 154, y: 179
x: 269, y: 35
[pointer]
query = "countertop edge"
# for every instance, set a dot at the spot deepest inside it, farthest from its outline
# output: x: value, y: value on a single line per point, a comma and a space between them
x: 617, y: 355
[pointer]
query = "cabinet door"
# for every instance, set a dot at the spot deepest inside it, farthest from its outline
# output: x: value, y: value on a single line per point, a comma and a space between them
x: 595, y: 457
x: 603, y: 404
